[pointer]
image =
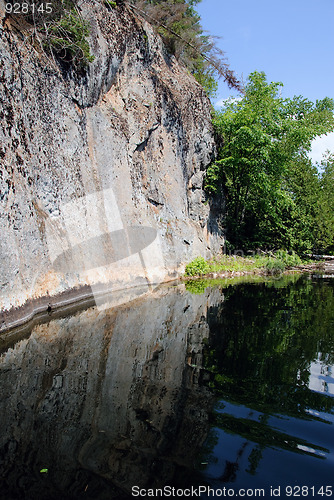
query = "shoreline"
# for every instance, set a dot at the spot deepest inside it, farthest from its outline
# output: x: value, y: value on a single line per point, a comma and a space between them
x: 260, y: 271
x: 18, y: 321
x: 48, y: 307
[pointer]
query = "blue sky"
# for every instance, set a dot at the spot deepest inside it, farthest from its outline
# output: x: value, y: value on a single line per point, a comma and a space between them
x: 292, y: 41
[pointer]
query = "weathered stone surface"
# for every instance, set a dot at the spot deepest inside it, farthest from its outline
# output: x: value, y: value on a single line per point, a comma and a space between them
x: 86, y: 155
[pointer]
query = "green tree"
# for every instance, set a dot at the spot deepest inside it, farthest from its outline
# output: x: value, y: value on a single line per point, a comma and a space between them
x: 178, y: 24
x: 327, y: 193
x: 263, y: 140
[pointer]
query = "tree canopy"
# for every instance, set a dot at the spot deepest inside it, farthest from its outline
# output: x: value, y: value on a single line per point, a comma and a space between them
x: 275, y: 197
x: 178, y: 24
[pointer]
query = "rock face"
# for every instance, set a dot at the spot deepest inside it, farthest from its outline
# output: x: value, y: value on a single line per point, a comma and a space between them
x: 101, y: 172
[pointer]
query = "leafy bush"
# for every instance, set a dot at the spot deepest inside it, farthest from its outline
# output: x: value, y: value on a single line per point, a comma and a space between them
x: 197, y: 267
x: 275, y: 266
x: 281, y: 260
x: 68, y: 37
x: 289, y: 259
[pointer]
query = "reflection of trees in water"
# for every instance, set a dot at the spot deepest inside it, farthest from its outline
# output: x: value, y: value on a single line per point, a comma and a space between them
x: 254, y: 459
x: 263, y: 339
x: 230, y: 471
x: 116, y: 398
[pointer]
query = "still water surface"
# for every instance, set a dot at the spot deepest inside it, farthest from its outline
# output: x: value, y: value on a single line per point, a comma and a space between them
x: 229, y: 385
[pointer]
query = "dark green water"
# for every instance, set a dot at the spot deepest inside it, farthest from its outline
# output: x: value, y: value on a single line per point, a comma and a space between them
x: 271, y: 357
x: 228, y: 387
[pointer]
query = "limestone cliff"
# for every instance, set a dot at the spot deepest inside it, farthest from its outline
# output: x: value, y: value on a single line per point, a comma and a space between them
x: 101, y: 171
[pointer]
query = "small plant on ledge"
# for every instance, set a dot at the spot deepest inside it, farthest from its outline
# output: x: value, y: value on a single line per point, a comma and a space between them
x: 110, y: 3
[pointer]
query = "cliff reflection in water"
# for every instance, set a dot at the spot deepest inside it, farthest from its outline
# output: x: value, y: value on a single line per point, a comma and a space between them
x: 106, y: 400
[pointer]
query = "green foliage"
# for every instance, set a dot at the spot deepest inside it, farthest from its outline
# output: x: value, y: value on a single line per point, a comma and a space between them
x: 264, y: 341
x: 206, y: 78
x: 62, y: 32
x: 271, y: 188
x: 178, y: 23
x: 197, y: 267
x: 326, y: 224
x: 282, y: 259
x: 68, y: 38
x: 290, y: 259
x: 234, y: 263
x: 197, y: 287
x: 273, y: 264
x: 110, y: 3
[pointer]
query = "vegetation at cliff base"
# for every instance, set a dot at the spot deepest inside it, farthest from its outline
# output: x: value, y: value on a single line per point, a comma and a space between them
x: 197, y: 267
x: 275, y: 197
x: 272, y: 263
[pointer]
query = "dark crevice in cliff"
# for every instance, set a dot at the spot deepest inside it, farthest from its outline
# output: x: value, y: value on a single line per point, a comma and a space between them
x: 142, y: 146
